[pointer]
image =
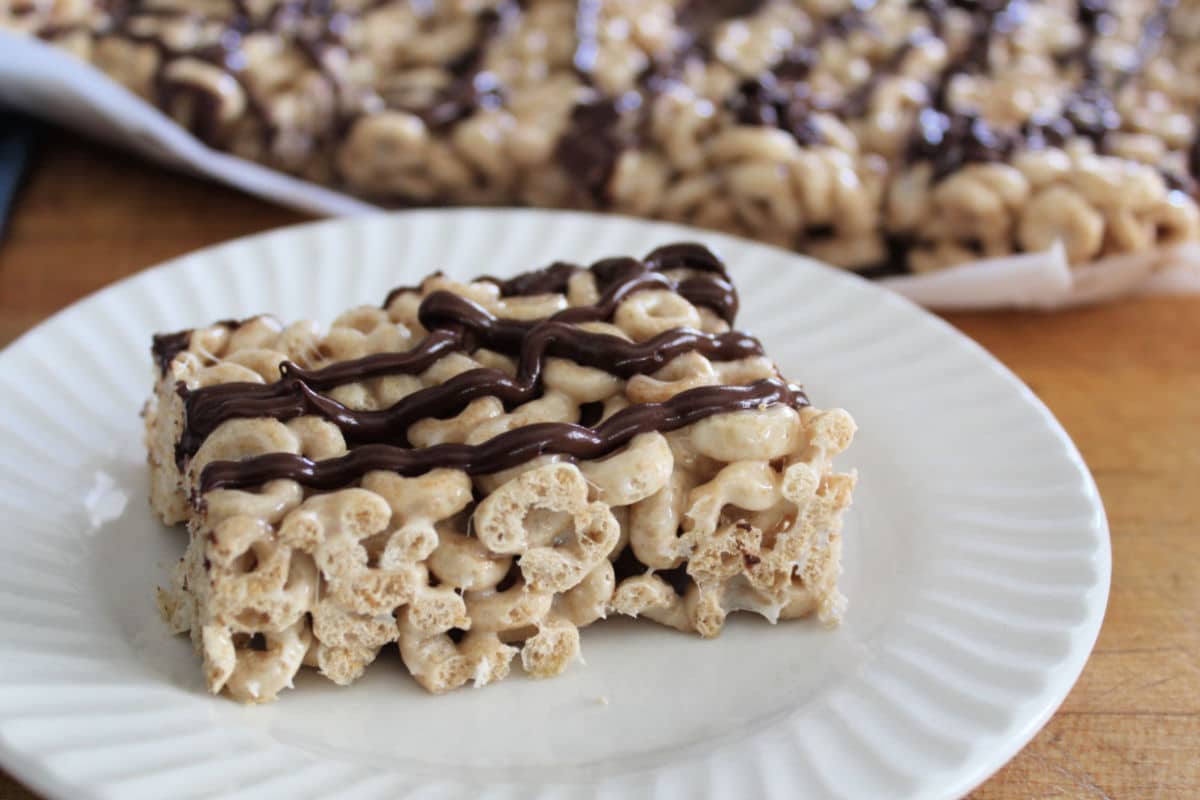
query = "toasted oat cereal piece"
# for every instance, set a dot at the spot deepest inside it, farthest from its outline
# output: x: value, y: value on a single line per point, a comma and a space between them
x: 476, y: 471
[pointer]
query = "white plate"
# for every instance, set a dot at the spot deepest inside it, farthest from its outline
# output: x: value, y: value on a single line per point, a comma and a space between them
x: 977, y: 564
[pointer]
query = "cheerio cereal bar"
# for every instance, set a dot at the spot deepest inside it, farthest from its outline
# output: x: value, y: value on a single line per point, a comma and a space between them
x: 476, y: 471
x: 879, y: 135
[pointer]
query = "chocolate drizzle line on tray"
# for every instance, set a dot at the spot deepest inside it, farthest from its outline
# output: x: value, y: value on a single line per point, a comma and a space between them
x: 783, y: 98
x: 508, y: 449
x: 945, y: 137
x: 315, y: 28
x: 601, y: 127
x: 950, y: 139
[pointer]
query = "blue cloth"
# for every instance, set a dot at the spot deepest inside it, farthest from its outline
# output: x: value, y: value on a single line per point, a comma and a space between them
x: 17, y: 134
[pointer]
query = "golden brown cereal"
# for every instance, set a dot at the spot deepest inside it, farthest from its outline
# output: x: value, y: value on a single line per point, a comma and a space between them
x: 888, y: 136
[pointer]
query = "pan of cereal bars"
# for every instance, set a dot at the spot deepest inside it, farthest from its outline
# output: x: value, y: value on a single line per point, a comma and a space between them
x: 524, y: 503
x: 966, y: 154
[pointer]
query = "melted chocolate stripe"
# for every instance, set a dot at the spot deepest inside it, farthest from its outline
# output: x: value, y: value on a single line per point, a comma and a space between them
x: 713, y: 291
x: 295, y: 396
x: 314, y: 27
x: 623, y: 277
x: 207, y: 407
x: 506, y: 450
x: 165, y: 346
x: 548, y: 280
x: 602, y: 309
x: 690, y: 255
x: 449, y: 317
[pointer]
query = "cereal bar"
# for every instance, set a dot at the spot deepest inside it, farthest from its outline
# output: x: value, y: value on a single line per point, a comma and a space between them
x: 883, y: 136
x: 476, y: 470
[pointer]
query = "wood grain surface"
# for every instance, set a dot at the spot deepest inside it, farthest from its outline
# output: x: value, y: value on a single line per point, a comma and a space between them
x: 1123, y: 379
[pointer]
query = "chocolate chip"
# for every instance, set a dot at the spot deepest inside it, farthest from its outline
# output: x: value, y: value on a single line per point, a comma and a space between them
x: 591, y: 145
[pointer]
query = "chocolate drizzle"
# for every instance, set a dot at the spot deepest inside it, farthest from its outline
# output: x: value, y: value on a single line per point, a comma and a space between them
x: 617, y: 277
x: 685, y: 255
x: 472, y: 88
x: 782, y: 97
x: 600, y: 129
x: 950, y: 139
x: 768, y: 101
x: 454, y: 321
x: 316, y: 28
x: 165, y: 346
x: 508, y: 449
x: 593, y: 142
x: 378, y: 439
x: 604, y: 124
x: 943, y: 136
x: 551, y: 279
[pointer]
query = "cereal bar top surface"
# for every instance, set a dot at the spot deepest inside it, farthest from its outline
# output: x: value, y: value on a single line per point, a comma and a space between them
x: 880, y: 135
x: 572, y: 336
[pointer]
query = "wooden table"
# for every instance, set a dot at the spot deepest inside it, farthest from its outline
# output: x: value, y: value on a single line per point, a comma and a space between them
x: 1124, y: 380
